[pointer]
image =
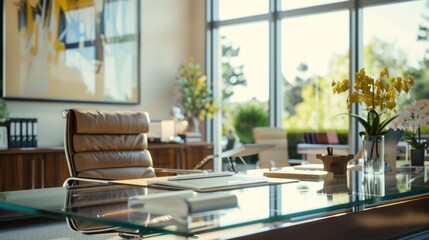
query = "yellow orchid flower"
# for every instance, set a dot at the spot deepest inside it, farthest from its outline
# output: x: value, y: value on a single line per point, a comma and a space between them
x: 378, y: 96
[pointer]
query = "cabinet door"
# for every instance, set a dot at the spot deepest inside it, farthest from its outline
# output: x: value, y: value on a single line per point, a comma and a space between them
x: 55, y: 170
x: 180, y: 156
x: 17, y: 173
x: 165, y: 157
x: 197, y: 153
x: 32, y: 170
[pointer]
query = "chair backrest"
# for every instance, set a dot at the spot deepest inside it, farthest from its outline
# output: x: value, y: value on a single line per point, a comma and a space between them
x: 278, y: 154
x: 107, y: 144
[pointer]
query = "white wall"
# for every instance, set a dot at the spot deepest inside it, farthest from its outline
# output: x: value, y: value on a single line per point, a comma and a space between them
x: 171, y: 32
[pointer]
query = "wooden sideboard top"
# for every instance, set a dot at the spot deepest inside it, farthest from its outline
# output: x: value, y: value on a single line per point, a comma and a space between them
x: 32, y: 150
x: 61, y: 149
x: 178, y: 145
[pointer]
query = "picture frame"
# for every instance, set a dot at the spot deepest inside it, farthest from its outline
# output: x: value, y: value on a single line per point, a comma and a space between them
x: 71, y: 51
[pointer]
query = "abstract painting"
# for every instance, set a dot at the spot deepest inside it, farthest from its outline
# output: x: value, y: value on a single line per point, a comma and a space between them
x: 71, y: 50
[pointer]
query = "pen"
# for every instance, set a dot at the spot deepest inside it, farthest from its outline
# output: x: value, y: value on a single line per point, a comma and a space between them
x: 330, y: 150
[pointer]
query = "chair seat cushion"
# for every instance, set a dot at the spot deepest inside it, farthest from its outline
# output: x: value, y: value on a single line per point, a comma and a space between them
x: 119, y: 173
x: 111, y: 159
x: 92, y: 143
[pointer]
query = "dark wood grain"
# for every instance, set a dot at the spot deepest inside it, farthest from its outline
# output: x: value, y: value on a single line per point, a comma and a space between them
x: 22, y: 169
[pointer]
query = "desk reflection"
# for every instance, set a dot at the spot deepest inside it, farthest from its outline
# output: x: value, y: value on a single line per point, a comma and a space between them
x: 110, y: 202
x: 289, y: 203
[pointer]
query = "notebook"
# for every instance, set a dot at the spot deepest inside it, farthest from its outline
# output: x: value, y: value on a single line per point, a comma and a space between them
x: 210, y: 183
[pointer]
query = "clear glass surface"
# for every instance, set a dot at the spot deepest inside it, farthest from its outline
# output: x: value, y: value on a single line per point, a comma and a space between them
x: 109, y: 204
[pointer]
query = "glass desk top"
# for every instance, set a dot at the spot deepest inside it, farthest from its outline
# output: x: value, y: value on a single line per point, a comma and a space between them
x: 96, y: 205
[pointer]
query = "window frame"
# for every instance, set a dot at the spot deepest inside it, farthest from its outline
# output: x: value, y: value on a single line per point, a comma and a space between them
x: 274, y: 16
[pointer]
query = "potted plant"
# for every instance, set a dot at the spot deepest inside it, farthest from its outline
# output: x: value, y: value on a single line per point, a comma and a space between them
x: 412, y: 119
x: 196, y: 97
x: 379, y: 99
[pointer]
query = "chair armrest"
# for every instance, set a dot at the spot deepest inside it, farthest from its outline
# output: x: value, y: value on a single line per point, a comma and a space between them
x: 71, y: 180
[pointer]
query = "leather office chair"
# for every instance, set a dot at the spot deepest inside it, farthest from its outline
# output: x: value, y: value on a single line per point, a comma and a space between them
x: 103, y: 145
x: 277, y: 156
x: 94, y: 200
x: 107, y: 144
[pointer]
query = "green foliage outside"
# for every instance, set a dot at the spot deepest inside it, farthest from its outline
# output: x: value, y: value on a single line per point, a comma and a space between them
x: 292, y: 90
x: 232, y: 75
x: 315, y: 107
x: 421, y: 87
x: 246, y: 117
x: 316, y: 111
x: 321, y: 110
x: 295, y: 136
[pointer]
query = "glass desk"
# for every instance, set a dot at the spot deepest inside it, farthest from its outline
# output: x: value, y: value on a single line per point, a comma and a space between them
x: 260, y: 209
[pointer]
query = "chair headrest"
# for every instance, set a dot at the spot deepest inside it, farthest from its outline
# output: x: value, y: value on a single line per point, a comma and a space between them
x: 110, y: 121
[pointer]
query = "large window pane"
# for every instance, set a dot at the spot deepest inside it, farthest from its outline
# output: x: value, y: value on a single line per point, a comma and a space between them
x: 241, y: 8
x: 293, y: 4
x: 244, y: 61
x: 393, y: 37
x: 310, y: 61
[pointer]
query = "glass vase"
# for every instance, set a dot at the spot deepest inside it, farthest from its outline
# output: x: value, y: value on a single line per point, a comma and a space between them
x: 193, y: 125
x: 374, y: 185
x: 373, y: 154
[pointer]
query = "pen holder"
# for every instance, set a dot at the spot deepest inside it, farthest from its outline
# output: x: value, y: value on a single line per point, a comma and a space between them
x: 337, y: 164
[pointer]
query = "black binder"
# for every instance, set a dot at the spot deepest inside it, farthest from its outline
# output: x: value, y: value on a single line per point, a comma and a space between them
x: 22, y: 132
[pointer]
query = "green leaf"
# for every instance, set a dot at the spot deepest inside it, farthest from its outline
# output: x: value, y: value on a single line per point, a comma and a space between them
x: 363, y: 122
x: 386, y: 122
x: 373, y: 121
x: 383, y: 132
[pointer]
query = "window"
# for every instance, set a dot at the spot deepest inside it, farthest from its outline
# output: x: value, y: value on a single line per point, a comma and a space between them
x: 245, y: 75
x: 229, y: 9
x: 395, y: 38
x: 310, y: 61
x: 294, y: 4
x: 301, y: 46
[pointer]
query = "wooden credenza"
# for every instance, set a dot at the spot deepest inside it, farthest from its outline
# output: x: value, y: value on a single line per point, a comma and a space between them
x: 47, y: 167
x: 32, y: 168
x: 180, y: 156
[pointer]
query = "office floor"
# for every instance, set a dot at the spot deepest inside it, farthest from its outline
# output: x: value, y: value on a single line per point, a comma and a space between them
x: 44, y: 229
x: 54, y: 229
